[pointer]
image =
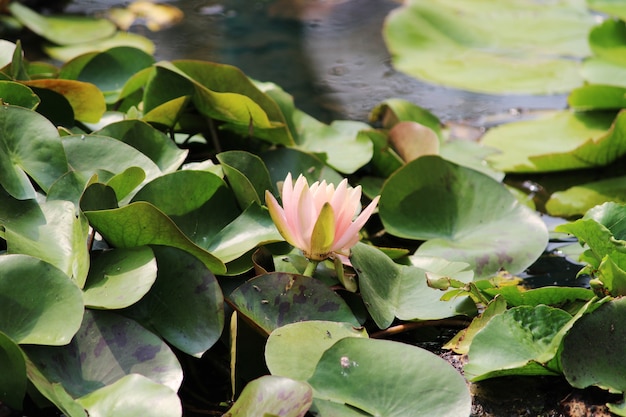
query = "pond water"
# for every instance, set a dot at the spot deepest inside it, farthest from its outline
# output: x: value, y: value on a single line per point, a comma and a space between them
x: 329, y: 54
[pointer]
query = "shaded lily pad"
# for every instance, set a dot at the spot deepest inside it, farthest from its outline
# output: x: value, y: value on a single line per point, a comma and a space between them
x: 273, y: 396
x: 17, y: 94
x: 86, y: 99
x: 194, y: 325
x: 106, y: 348
x: 247, y: 176
x: 385, y: 378
x: 504, y: 47
x: 463, y: 215
x: 273, y: 300
x: 577, y: 200
x: 40, y: 304
x: 13, y: 375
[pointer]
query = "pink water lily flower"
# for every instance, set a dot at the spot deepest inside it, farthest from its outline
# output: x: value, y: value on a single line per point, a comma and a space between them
x: 321, y: 221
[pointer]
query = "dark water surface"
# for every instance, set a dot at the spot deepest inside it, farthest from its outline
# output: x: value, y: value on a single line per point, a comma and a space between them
x: 329, y: 54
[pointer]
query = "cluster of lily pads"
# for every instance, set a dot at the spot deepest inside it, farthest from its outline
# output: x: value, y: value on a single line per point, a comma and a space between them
x: 136, y: 236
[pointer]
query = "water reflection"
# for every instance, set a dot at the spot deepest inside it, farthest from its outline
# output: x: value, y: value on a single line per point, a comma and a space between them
x: 329, y: 54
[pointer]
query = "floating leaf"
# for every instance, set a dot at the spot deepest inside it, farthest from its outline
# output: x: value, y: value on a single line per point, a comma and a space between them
x: 50, y: 231
x: 504, y: 47
x: 273, y: 300
x: 86, y: 99
x: 133, y: 40
x: 385, y: 378
x: 273, y: 396
x: 390, y: 290
x: 247, y: 176
x: 194, y: 325
x: 13, y: 375
x: 120, y: 277
x: 293, y: 350
x: 593, y: 349
x: 561, y: 141
x: 106, y: 348
x: 577, y: 200
x: 31, y: 147
x: 140, y: 224
x: 63, y: 30
x: 519, y: 341
x: 130, y: 396
x: 464, y: 215
x: 18, y: 94
x: 40, y: 304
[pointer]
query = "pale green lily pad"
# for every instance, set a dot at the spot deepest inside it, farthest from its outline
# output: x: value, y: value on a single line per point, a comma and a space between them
x: 32, y: 148
x: 120, y: 277
x: 63, y: 30
x: 273, y: 396
x: 385, y: 378
x: 390, y: 290
x: 519, y: 341
x: 493, y: 47
x: 463, y: 215
x: 40, y: 304
x: 293, y: 350
x: 602, y: 71
x: 560, y: 141
x: 130, y: 396
x: 575, y: 201
x: 612, y: 7
x: 51, y: 231
x: 67, y: 52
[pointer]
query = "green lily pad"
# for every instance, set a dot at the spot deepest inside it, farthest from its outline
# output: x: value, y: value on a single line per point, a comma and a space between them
x: 130, y: 396
x: 17, y: 94
x: 603, y: 71
x: 120, y: 277
x: 463, y: 215
x: 507, y: 47
x: 577, y: 200
x: 593, y: 349
x: 107, y: 348
x: 247, y: 176
x: 32, y: 148
x: 68, y: 52
x: 597, y: 97
x: 385, y: 378
x: 519, y: 341
x: 40, y: 304
x: 281, y: 161
x: 390, y: 290
x: 13, y: 376
x: 560, y: 141
x: 63, y: 30
x: 273, y: 396
x: 274, y: 300
x: 86, y: 99
x: 51, y: 231
x: 293, y: 350
x: 154, y: 144
x: 140, y: 224
x: 194, y: 325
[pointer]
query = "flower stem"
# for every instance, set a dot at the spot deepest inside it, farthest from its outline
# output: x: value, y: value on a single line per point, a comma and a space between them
x: 310, y: 268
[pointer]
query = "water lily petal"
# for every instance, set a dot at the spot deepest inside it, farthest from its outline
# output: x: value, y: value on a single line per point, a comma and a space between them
x: 345, y: 241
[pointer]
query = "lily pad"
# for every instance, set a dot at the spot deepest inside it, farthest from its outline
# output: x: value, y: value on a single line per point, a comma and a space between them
x: 560, y: 141
x: 390, y: 290
x: 40, y: 304
x: 13, y: 376
x: 593, y: 349
x: 31, y: 147
x: 463, y: 215
x: 577, y: 200
x: 17, y: 94
x: 107, y: 348
x: 293, y: 350
x: 67, y: 52
x: 385, y: 378
x: 193, y: 326
x: 120, y: 277
x: 273, y: 396
x: 273, y: 300
x: 86, y: 99
x: 507, y: 47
